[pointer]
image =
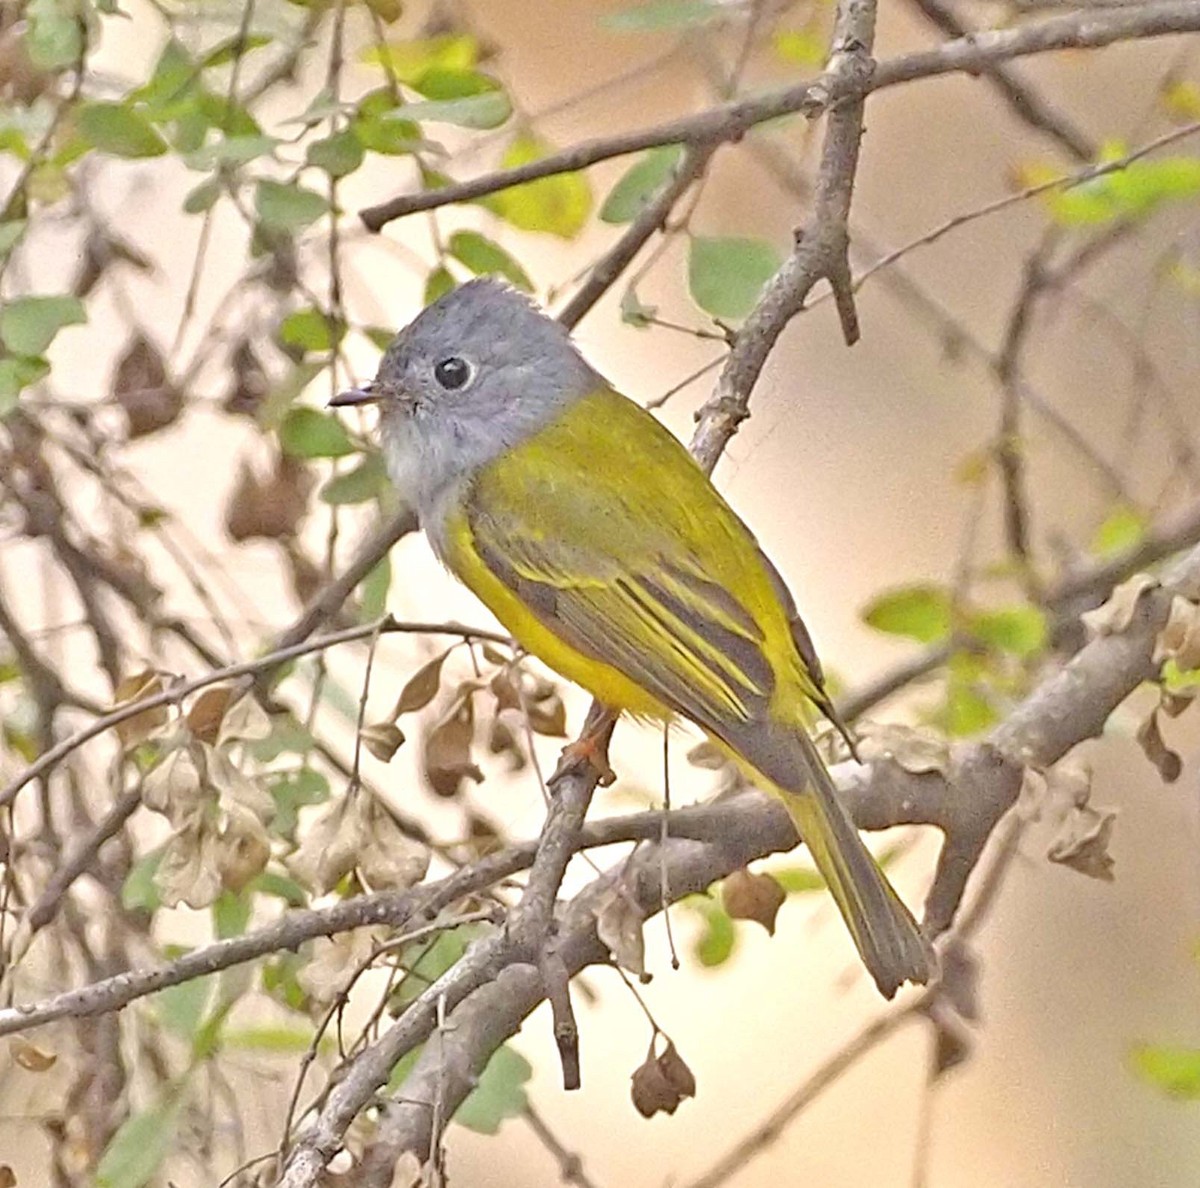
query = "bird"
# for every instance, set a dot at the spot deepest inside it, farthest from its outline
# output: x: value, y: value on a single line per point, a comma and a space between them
x: 589, y: 531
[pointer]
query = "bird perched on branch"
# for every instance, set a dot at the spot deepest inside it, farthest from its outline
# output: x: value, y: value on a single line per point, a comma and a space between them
x: 593, y: 536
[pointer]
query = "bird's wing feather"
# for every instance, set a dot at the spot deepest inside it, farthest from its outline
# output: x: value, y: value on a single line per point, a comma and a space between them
x: 638, y: 575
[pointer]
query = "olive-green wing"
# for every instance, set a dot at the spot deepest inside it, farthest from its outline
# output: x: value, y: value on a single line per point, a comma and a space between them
x: 604, y: 527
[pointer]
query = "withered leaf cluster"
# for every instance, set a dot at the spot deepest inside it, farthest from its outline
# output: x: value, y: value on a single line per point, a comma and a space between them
x: 662, y: 1082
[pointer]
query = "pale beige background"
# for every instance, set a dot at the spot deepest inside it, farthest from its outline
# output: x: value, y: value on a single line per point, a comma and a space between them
x: 845, y: 471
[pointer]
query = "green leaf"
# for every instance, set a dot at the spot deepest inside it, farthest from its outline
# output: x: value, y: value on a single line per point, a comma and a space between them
x: 287, y: 208
x: 1122, y: 528
x: 437, y: 284
x: 716, y: 943
x: 426, y: 961
x: 234, y: 47
x: 54, y: 37
x: 802, y: 47
x: 1176, y: 1071
x: 380, y: 131
x: 287, y: 737
x: 407, y: 61
x: 279, y: 1040
x: 293, y: 792
x: 311, y: 330
x: 442, y: 84
x: 485, y: 257
x: 634, y: 312
x: 920, y: 612
x: 374, y: 589
x: 203, y: 197
x: 641, y: 184
x: 965, y: 712
x: 231, y: 151
x: 280, y: 981
x: 499, y: 1094
x: 120, y: 130
x: 15, y: 375
x: 172, y: 77
x: 379, y: 337
x: 367, y: 481
x: 139, y: 889
x: 231, y: 914
x: 489, y: 109
x: 798, y: 880
x: 338, y: 155
x: 726, y: 274
x: 1175, y: 679
x: 279, y: 886
x: 1021, y: 630
x: 28, y: 324
x: 667, y: 14
x: 1129, y: 193
x: 140, y: 1145
x: 309, y: 433
x: 180, y: 1008
x: 559, y: 204
x: 10, y: 235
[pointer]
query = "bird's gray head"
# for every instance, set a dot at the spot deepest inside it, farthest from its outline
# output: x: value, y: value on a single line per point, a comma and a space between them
x: 475, y: 373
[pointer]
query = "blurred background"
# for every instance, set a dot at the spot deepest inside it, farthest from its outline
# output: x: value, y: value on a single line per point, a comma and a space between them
x: 861, y: 470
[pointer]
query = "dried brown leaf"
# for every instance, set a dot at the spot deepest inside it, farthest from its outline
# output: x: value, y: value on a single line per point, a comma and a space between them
x: 1174, y: 702
x: 244, y: 848
x: 329, y: 849
x: 505, y: 737
x: 140, y: 727
x: 1083, y: 843
x: 1154, y: 747
x: 1117, y: 613
x: 190, y: 868
x: 756, y: 897
x: 619, y: 926
x: 953, y: 1044
x: 383, y: 740
x: 1179, y: 640
x: 270, y: 507
x: 175, y: 787
x: 206, y: 712
x: 32, y: 1058
x: 234, y: 787
x: 388, y: 859
x: 916, y: 750
x: 8, y: 1177
x: 421, y: 688
x: 661, y: 1083
x: 709, y: 756
x: 504, y: 688
x: 447, y: 749
x: 482, y: 835
x: 334, y: 961
x: 251, y: 385
x: 141, y: 387
x: 549, y: 716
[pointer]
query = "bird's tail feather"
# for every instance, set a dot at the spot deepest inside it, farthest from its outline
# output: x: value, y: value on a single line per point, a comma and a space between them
x: 887, y: 937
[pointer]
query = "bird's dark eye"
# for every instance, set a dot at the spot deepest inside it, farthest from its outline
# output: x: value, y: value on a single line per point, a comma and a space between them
x: 453, y: 372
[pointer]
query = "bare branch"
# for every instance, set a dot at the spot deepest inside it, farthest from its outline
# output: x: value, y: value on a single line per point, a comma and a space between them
x: 730, y: 121
x: 1023, y: 100
x: 268, y: 663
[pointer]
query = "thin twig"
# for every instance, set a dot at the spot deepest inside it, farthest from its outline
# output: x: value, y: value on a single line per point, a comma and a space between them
x: 730, y: 121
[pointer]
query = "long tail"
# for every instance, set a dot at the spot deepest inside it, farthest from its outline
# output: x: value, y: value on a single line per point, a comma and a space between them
x: 884, y: 931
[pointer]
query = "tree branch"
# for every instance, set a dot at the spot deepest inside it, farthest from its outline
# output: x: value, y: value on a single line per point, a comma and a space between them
x: 728, y: 122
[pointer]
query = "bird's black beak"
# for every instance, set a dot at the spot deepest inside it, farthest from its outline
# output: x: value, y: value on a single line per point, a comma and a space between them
x: 367, y: 394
